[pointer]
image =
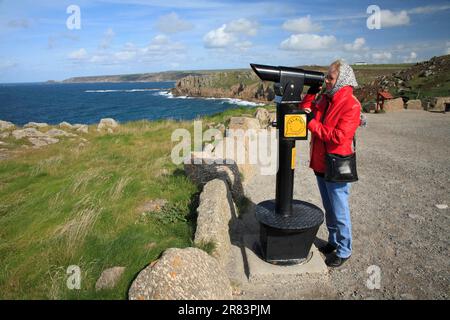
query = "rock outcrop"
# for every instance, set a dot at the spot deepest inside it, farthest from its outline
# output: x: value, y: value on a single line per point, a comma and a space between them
x: 214, y: 215
x: 393, y: 105
x: 6, y: 125
x: 414, y: 104
x: 36, y: 125
x: 243, y: 85
x: 182, y: 274
x: 28, y: 132
x: 107, y: 123
x: 109, y: 278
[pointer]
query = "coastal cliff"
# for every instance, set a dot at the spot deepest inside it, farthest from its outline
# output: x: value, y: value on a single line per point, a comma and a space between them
x: 230, y: 84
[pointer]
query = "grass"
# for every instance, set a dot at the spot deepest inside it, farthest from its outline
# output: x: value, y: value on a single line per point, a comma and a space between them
x: 68, y: 205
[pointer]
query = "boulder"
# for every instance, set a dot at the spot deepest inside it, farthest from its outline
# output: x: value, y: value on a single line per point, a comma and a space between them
x: 4, y: 135
x: 393, y: 105
x: 415, y: 104
x: 182, y: 274
x: 36, y: 125
x: 59, y: 133
x: 83, y: 129
x: 6, y: 125
x: 202, y: 168
x: 28, y: 132
x: 263, y: 117
x: 65, y: 125
x: 42, y: 141
x: 109, y: 278
x: 439, y: 104
x: 244, y: 123
x: 107, y: 123
x: 215, y: 211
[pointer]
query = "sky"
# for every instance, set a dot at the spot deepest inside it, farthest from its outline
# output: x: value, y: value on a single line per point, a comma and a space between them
x: 54, y: 40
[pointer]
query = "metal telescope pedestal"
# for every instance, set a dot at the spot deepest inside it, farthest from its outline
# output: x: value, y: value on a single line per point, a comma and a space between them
x: 288, y: 226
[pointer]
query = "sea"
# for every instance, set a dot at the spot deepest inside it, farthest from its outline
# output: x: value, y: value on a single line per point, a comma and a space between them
x: 87, y: 103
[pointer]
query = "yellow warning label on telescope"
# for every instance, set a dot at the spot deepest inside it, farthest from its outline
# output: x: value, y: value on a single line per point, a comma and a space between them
x: 295, y: 125
x: 293, y: 158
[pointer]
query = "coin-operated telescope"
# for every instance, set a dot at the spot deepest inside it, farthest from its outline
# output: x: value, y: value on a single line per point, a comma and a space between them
x: 288, y: 227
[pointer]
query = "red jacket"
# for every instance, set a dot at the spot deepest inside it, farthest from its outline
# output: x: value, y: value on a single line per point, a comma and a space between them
x: 335, y: 134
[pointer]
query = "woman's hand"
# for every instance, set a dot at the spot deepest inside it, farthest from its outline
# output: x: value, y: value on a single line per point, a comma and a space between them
x: 309, y: 114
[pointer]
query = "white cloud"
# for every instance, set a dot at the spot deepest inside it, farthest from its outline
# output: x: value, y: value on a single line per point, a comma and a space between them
x: 447, y: 51
x: 381, y: 56
x: 302, y: 25
x: 161, y: 44
x: 80, y: 54
x: 392, y: 19
x: 107, y: 39
x: 231, y: 34
x: 172, y: 23
x: 357, y: 45
x: 242, y: 26
x: 299, y: 42
x: 218, y: 38
x: 428, y: 9
x: 411, y: 58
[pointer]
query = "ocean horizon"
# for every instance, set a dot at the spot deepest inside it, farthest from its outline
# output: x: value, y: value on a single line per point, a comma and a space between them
x: 87, y: 103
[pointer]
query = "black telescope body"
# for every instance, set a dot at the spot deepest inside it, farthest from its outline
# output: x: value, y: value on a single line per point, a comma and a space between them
x: 289, y: 82
x: 288, y: 226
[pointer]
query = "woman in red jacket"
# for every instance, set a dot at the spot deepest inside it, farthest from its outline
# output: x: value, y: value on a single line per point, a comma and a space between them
x: 334, y: 118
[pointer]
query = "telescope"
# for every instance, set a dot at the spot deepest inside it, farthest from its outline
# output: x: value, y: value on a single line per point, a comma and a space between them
x: 288, y: 227
x: 289, y: 82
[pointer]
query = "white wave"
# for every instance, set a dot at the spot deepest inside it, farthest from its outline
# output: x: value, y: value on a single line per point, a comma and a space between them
x: 238, y: 102
x: 244, y: 103
x: 123, y: 90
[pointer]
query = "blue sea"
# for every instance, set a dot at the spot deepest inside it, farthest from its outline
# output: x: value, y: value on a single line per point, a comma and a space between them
x: 89, y: 102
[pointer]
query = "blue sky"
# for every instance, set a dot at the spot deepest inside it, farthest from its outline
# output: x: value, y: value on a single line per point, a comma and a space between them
x: 134, y: 36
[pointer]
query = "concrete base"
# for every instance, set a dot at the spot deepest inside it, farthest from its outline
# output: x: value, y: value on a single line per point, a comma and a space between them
x: 258, y: 269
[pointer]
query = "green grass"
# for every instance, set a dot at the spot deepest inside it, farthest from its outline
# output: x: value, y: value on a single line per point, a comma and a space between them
x: 67, y: 205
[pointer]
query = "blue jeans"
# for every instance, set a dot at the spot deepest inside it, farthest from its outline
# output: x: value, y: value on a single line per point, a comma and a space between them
x: 337, y: 215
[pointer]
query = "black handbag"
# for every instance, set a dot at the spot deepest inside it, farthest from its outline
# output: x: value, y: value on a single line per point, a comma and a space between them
x: 341, y: 168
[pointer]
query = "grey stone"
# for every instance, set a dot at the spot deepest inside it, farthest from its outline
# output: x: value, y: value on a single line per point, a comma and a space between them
x: 244, y: 123
x: 393, y: 105
x: 65, y: 125
x: 83, y: 129
x: 59, y: 133
x: 6, y: 125
x: 36, y: 125
x: 215, y: 211
x: 28, y: 132
x: 4, y: 135
x: 263, y: 117
x: 107, y: 123
x: 182, y: 274
x: 201, y: 169
x: 42, y: 141
x: 415, y: 104
x: 109, y: 278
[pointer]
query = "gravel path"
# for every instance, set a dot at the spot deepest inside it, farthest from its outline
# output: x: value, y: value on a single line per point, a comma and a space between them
x: 404, y: 170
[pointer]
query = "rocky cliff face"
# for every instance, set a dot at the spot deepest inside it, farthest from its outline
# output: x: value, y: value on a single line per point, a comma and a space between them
x: 241, y: 85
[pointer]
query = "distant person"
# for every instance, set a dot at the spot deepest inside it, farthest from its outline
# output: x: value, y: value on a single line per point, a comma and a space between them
x: 334, y: 117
